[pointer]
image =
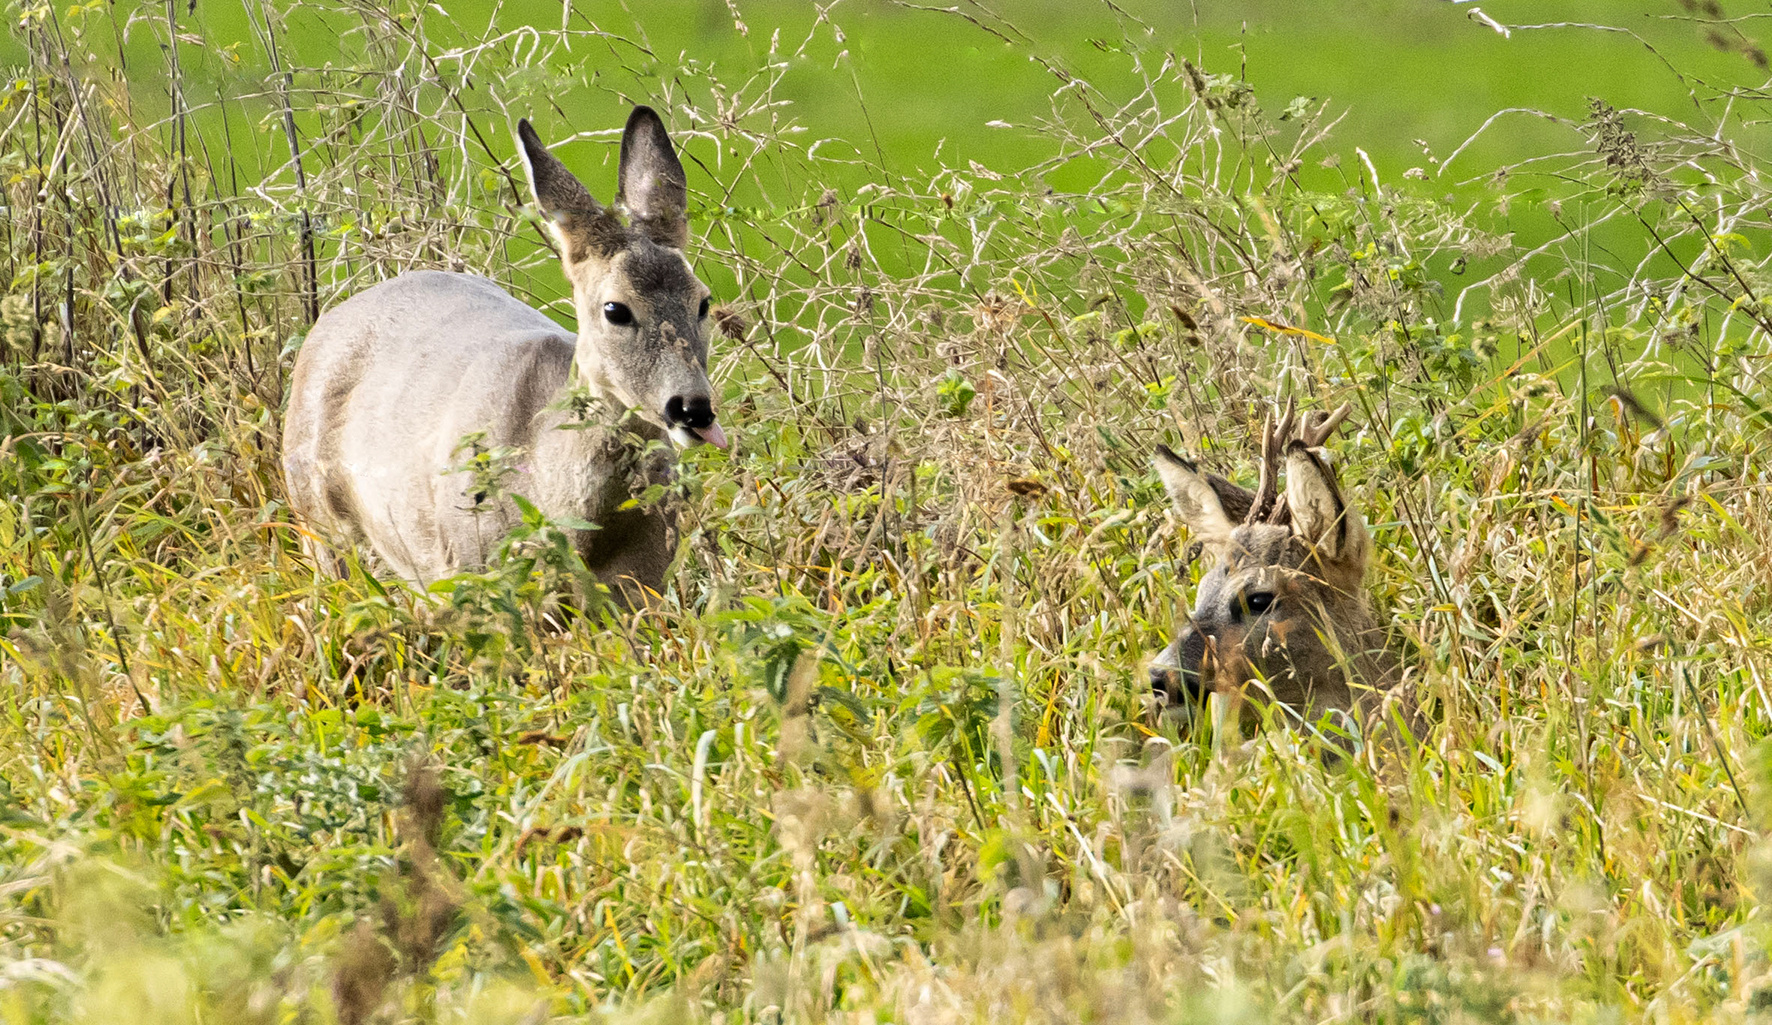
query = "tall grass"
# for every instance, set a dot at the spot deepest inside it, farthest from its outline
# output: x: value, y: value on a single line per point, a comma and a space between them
x: 880, y: 751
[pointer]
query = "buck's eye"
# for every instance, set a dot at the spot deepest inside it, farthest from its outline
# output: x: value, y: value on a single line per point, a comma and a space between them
x: 618, y: 313
x: 703, y: 314
x: 1258, y: 602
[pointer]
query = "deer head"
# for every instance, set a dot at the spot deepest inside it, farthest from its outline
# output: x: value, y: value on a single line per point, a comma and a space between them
x: 1282, y: 614
x: 641, y: 310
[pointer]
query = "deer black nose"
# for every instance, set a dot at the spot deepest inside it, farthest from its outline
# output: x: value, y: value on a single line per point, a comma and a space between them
x: 695, y: 413
x: 1172, y: 686
x: 1193, y: 656
x: 1163, y: 682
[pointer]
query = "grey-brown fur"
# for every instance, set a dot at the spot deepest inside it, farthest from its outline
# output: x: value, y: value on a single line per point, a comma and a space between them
x: 1317, y: 646
x: 392, y: 380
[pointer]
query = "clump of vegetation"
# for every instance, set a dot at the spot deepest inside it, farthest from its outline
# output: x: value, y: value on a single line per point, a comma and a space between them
x: 880, y: 750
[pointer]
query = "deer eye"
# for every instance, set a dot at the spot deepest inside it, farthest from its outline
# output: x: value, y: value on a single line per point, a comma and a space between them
x: 1258, y: 602
x: 618, y: 313
x: 703, y: 314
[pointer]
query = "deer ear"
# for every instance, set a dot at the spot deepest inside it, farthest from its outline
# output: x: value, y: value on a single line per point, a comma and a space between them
x: 653, y: 186
x: 1319, y: 514
x: 557, y: 192
x: 572, y: 213
x: 1196, y: 501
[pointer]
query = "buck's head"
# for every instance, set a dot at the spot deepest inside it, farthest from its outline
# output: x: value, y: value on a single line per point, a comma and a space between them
x: 1282, y: 612
x: 641, y: 311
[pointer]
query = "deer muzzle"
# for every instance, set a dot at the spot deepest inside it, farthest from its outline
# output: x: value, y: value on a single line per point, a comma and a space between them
x: 691, y: 421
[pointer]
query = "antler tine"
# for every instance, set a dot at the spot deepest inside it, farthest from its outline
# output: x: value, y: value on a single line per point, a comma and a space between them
x: 1264, y: 492
x: 1319, y: 426
x: 1274, y: 436
x: 1288, y: 424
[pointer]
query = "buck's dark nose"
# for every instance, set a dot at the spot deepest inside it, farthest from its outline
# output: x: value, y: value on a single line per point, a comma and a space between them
x: 1164, y: 682
x: 1175, y: 676
x: 1172, y: 686
x: 695, y: 413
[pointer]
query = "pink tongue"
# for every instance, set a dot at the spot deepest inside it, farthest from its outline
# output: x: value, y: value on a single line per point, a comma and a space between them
x: 713, y: 435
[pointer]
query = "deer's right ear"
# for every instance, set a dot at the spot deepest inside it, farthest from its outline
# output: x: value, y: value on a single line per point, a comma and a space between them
x: 1196, y: 500
x: 561, y: 197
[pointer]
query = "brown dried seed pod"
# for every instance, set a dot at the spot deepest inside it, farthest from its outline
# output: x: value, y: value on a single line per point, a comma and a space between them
x: 730, y: 322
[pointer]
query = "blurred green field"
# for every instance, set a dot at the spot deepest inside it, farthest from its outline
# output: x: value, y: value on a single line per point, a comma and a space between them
x: 891, y: 92
x: 900, y: 81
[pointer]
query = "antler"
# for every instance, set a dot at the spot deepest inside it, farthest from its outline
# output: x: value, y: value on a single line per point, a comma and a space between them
x: 1318, y: 427
x: 1271, y: 434
x: 1313, y: 429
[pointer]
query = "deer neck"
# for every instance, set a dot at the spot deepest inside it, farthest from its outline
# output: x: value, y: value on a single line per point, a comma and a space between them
x: 590, y: 452
x: 587, y: 377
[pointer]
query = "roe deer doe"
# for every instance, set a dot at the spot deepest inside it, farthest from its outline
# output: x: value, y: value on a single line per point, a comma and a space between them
x: 391, y: 381
x: 1283, y: 610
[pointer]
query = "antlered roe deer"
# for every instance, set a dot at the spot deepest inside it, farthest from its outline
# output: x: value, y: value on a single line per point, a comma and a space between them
x: 1282, y: 613
x: 391, y: 381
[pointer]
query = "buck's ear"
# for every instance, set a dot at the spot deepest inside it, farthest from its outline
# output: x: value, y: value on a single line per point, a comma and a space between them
x: 1319, y: 514
x: 653, y: 187
x: 1196, y: 501
x: 1233, y: 498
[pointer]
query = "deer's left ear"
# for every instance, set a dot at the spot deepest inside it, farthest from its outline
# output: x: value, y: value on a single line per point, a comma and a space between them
x: 653, y: 186
x: 1320, y: 516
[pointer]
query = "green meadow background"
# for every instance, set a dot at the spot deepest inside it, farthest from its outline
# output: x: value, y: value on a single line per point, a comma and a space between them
x: 1409, y: 79
x: 907, y: 88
